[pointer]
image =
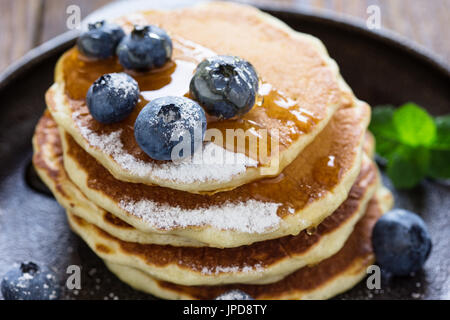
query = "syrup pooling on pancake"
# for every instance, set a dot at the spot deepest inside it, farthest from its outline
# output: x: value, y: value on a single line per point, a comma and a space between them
x: 273, y: 109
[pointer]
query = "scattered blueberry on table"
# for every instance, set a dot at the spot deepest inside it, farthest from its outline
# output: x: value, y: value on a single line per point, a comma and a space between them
x: 145, y: 48
x: 234, y: 295
x: 100, y: 40
x: 30, y: 282
x: 401, y: 242
x: 112, y: 97
x: 226, y: 86
x: 168, y: 122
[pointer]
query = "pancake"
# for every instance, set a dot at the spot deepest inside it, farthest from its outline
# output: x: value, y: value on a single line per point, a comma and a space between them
x: 299, y: 94
x: 328, y: 278
x: 262, y: 262
x: 307, y: 191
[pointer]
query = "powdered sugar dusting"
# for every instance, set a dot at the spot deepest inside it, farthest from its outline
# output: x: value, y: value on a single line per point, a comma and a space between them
x: 122, y: 83
x: 190, y: 119
x: 207, y: 164
x: 250, y: 217
x: 215, y: 270
x: 234, y: 295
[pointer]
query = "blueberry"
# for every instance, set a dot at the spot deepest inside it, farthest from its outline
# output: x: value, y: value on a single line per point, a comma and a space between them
x: 401, y: 242
x: 234, y: 295
x: 225, y: 86
x: 101, y: 40
x: 146, y: 47
x: 167, y: 122
x: 112, y: 97
x: 30, y: 282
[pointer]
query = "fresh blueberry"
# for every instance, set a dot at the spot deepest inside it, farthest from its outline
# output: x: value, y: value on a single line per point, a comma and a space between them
x: 112, y: 97
x: 146, y: 47
x: 225, y: 86
x: 401, y: 242
x: 101, y: 40
x: 234, y: 295
x: 170, y: 125
x: 30, y: 282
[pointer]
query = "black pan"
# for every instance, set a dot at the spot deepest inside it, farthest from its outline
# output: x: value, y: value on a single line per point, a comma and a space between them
x: 378, y: 68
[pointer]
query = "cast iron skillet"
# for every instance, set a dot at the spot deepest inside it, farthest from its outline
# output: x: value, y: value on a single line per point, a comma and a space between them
x: 379, y: 69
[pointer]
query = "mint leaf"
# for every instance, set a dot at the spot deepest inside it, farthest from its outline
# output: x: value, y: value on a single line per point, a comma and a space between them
x: 382, y: 126
x: 439, y: 164
x: 382, y: 123
x: 386, y: 148
x: 415, y: 127
x: 413, y: 143
x: 442, y: 141
x: 408, y: 166
x: 440, y: 150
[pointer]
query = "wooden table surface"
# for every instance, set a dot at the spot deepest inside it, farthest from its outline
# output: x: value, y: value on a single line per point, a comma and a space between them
x: 25, y: 24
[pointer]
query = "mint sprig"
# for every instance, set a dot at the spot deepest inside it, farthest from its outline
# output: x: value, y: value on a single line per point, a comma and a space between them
x: 414, y: 144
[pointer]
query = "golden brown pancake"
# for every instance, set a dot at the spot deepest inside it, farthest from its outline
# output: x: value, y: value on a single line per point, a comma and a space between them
x: 294, y: 65
x: 321, y: 281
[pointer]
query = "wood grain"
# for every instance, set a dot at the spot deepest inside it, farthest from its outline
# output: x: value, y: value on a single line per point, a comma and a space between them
x: 27, y: 23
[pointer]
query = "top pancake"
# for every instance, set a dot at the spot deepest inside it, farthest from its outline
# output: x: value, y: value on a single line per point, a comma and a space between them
x: 300, y: 94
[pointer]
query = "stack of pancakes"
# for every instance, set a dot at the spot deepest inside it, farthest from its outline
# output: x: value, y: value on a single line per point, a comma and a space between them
x: 299, y: 229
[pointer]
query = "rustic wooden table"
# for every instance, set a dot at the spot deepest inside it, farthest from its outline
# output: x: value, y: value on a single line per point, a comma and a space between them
x: 25, y: 24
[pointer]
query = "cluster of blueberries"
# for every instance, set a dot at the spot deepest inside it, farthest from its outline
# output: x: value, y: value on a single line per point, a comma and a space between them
x: 223, y: 86
x: 144, y: 48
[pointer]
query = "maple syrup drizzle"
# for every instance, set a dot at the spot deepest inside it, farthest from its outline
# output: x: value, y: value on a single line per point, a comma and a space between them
x: 273, y: 109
